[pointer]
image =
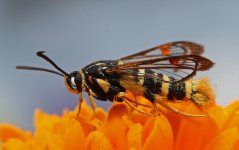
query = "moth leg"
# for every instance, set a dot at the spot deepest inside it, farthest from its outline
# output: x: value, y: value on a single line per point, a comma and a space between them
x: 138, y: 103
x: 135, y: 104
x: 128, y: 101
x: 93, y: 105
x: 160, y: 101
x: 156, y: 109
x: 79, y: 106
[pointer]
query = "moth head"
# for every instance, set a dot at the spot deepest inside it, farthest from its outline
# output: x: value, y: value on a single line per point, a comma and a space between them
x: 73, y: 82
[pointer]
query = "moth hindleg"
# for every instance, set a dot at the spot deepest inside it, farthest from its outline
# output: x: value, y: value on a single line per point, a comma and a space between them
x: 160, y: 100
x: 123, y: 96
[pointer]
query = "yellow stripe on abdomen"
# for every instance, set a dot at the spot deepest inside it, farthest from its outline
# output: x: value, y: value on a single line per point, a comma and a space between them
x: 165, y: 85
x: 188, y: 86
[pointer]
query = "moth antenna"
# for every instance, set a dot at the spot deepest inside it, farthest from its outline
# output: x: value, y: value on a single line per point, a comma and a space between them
x: 41, y: 54
x: 38, y: 69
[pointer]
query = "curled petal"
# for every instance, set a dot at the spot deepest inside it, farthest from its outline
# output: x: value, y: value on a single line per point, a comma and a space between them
x: 117, y: 111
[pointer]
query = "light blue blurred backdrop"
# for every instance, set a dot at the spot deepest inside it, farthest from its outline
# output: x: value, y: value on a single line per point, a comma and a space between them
x: 75, y: 33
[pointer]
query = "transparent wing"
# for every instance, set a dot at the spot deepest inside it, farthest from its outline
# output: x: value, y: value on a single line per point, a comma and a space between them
x: 178, y: 68
x: 169, y: 49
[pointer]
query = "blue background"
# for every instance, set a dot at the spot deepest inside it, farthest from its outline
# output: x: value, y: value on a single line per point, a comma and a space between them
x: 75, y: 33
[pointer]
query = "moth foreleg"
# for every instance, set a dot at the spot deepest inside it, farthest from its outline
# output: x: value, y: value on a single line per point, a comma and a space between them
x: 79, y: 105
x: 93, y: 105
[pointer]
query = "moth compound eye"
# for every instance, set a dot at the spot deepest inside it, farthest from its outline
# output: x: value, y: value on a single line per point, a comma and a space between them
x: 73, y: 81
x: 78, y: 80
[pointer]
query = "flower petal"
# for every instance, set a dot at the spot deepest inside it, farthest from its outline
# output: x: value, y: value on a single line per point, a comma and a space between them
x: 116, y: 128
x: 14, y: 144
x: 74, y: 136
x: 232, y: 116
x: 86, y: 113
x: 54, y: 142
x: 219, y: 116
x: 139, y: 118
x: 194, y: 132
x: 134, y: 136
x: 231, y: 107
x: 225, y: 141
x: 172, y: 117
x: 98, y: 141
x: 147, y: 128
x: 161, y: 135
x: 87, y: 127
x: 101, y: 114
x: 121, y: 129
x: 39, y: 144
x: 8, y: 131
x: 47, y: 124
x: 117, y: 111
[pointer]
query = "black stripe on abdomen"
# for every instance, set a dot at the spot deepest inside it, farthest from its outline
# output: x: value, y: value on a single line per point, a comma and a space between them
x: 152, y: 83
x: 176, y: 91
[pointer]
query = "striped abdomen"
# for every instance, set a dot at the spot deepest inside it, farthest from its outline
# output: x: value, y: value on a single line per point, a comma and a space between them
x: 199, y: 91
x: 168, y: 90
x: 149, y: 84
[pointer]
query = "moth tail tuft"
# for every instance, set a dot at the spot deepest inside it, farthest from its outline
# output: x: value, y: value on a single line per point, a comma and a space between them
x: 202, y: 92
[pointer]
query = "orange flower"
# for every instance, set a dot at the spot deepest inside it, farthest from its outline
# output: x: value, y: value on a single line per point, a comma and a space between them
x: 121, y: 128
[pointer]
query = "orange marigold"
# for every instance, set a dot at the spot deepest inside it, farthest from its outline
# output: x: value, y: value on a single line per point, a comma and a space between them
x: 121, y: 128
